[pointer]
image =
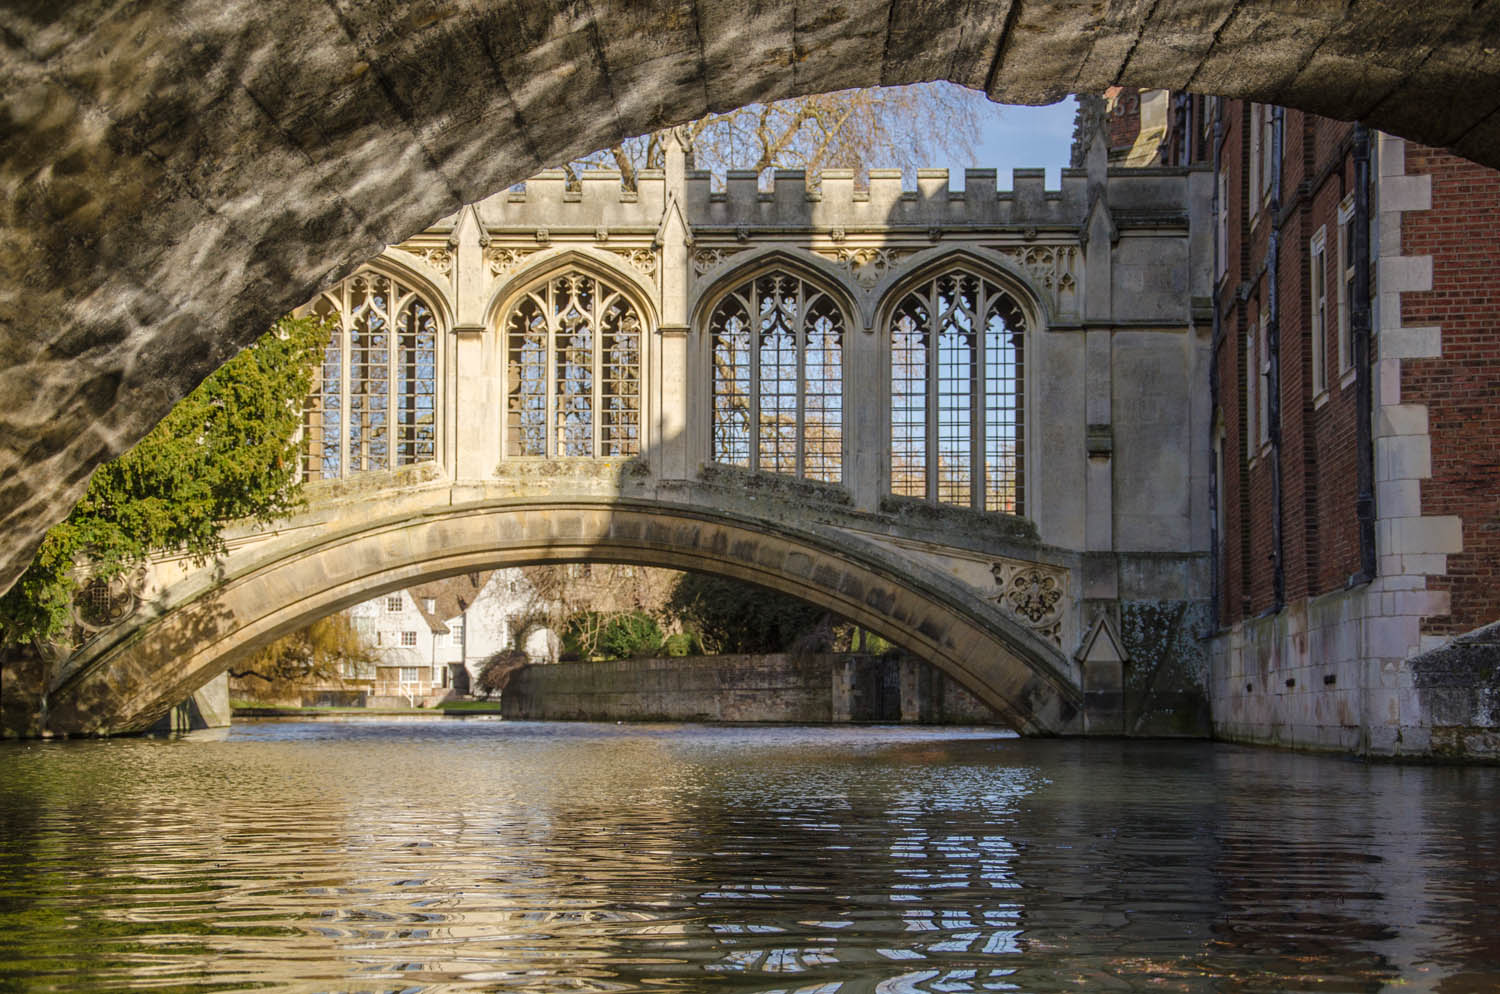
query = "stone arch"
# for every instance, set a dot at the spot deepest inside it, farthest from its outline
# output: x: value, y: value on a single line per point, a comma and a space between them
x: 811, y: 458
x: 762, y: 259
x: 400, y: 264
x: 602, y: 265
x: 130, y: 676
x: 111, y: 117
x: 1032, y: 310
x: 617, y: 419
x: 440, y: 304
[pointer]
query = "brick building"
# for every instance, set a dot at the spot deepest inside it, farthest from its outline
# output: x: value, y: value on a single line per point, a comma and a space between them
x: 1356, y: 429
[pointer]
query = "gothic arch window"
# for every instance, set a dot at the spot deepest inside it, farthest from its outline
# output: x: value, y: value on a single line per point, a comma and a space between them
x: 776, y: 345
x: 373, y: 404
x: 957, y: 400
x: 573, y: 370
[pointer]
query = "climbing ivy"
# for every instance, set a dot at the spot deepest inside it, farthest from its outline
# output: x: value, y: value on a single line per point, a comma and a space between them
x: 227, y: 452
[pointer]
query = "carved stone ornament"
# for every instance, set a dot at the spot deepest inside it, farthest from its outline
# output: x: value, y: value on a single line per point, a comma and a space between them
x: 503, y: 260
x: 1051, y: 267
x: 439, y: 257
x: 102, y: 604
x: 867, y: 266
x: 642, y: 259
x: 1034, y: 595
x: 707, y: 258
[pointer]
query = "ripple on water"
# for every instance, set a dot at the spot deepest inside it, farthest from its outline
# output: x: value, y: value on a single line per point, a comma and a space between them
x: 448, y: 856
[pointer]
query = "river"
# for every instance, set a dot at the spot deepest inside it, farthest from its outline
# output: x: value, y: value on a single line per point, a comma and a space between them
x: 481, y: 855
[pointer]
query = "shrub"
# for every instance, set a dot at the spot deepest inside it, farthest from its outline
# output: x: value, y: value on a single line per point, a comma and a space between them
x: 496, y: 671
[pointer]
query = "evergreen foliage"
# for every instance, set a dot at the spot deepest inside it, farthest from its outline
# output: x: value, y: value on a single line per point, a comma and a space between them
x: 731, y: 616
x: 227, y: 452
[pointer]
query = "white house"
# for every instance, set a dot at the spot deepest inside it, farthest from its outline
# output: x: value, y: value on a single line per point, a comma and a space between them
x: 432, y: 639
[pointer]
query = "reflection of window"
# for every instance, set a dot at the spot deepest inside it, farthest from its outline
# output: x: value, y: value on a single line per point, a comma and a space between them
x: 572, y: 370
x: 373, y: 405
x: 408, y: 638
x: 957, y: 397
x: 778, y: 378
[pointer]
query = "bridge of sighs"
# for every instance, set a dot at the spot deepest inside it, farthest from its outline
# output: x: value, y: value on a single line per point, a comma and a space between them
x: 961, y: 417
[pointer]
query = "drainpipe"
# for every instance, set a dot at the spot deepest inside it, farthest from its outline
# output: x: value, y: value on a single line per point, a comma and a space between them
x: 1215, y: 558
x: 1273, y: 353
x: 1359, y: 322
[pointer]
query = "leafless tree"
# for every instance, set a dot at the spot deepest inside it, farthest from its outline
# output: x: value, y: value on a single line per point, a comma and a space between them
x: 890, y: 126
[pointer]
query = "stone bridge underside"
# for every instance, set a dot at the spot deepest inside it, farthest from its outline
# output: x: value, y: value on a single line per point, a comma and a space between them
x: 177, y: 175
x: 272, y: 583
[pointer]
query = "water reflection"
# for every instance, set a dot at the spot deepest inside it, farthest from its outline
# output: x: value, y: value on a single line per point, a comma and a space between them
x: 501, y: 856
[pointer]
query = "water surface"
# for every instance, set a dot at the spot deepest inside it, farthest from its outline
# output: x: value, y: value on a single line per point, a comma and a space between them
x: 496, y: 856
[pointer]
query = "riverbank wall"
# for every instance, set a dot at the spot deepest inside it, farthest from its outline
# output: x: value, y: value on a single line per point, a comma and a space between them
x: 828, y: 687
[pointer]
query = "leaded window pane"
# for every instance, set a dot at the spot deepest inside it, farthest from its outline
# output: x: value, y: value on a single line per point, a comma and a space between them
x: 729, y: 331
x: 416, y: 384
x: 778, y: 378
x: 373, y: 405
x: 910, y: 331
x: 824, y: 393
x: 957, y: 394
x: 573, y: 371
x: 620, y: 381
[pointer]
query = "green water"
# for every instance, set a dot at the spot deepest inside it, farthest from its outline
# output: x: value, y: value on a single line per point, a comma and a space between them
x: 494, y: 856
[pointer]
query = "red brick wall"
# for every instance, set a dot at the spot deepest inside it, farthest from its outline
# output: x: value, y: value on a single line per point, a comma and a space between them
x: 1462, y: 388
x: 1317, y: 458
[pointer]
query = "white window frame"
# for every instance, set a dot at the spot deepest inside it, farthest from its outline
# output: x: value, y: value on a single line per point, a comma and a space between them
x: 1267, y: 152
x: 1221, y: 231
x: 394, y: 604
x: 1264, y: 386
x: 1317, y: 286
x: 409, y: 639
x: 1345, y: 282
x: 1255, y: 137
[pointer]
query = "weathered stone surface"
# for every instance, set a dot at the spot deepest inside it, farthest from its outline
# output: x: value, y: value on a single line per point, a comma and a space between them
x: 174, y: 177
x: 774, y: 688
x: 199, y: 619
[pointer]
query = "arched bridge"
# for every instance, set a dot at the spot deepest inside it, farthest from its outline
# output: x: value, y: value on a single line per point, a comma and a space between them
x: 964, y: 420
x: 177, y: 176
x: 873, y: 569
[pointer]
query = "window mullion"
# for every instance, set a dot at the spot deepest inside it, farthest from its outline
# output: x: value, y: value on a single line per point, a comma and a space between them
x: 755, y: 333
x: 799, y: 352
x: 549, y: 356
x: 934, y: 385
x: 345, y: 358
x: 596, y: 365
x: 978, y: 402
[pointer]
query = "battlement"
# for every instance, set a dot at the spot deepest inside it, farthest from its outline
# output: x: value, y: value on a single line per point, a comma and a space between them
x: 890, y: 199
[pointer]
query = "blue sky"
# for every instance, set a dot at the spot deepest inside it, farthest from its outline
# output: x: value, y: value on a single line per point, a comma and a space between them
x: 1023, y: 138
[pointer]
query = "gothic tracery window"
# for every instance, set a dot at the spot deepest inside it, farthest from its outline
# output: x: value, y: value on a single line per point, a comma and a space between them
x: 778, y: 383
x: 573, y: 370
x: 373, y: 404
x: 957, y: 398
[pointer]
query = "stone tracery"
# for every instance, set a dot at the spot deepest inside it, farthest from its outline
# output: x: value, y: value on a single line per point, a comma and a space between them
x: 572, y: 370
x: 777, y: 355
x: 373, y: 405
x: 957, y: 394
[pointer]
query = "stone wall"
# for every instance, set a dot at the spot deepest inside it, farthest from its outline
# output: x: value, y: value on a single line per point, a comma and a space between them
x: 743, y: 688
